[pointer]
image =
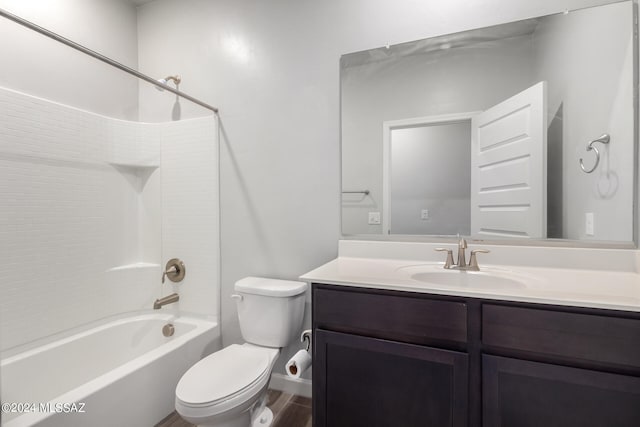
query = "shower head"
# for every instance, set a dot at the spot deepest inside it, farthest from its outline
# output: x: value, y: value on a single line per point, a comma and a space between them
x: 176, y: 79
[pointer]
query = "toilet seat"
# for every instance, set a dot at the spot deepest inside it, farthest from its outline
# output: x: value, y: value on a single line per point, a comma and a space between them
x: 224, y: 379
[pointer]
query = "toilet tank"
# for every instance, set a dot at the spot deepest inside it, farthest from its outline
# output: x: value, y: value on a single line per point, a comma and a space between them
x: 270, y: 311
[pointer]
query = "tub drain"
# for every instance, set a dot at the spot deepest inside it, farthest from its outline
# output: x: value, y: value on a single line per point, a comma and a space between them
x: 168, y: 330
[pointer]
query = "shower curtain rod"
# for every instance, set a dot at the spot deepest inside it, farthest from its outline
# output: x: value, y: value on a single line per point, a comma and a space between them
x: 100, y: 57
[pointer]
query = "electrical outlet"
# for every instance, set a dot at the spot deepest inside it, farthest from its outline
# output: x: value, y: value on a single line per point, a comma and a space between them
x: 588, y: 224
x: 374, y: 218
x: 424, y: 214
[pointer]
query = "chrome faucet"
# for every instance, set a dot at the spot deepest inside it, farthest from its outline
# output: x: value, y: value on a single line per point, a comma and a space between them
x: 462, y: 249
x: 462, y: 261
x: 169, y: 299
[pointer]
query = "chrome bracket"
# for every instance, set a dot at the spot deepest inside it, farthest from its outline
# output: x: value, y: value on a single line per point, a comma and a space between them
x: 604, y: 139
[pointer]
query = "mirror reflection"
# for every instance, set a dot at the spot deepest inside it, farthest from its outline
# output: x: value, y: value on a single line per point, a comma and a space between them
x: 491, y: 133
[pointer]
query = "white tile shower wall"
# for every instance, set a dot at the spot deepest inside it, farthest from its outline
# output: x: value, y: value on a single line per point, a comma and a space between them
x: 70, y: 215
x: 190, y: 211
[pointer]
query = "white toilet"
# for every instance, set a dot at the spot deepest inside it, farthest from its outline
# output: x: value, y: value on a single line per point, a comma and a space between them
x: 228, y: 388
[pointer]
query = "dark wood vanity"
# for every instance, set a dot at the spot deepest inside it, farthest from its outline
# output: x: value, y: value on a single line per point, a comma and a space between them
x: 397, y: 358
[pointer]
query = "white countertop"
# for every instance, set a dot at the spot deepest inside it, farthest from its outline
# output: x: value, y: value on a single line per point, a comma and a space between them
x: 617, y: 289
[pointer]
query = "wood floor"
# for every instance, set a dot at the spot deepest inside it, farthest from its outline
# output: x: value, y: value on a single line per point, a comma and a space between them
x: 288, y: 411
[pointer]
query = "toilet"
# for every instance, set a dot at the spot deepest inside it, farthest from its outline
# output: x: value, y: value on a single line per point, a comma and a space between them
x: 228, y: 388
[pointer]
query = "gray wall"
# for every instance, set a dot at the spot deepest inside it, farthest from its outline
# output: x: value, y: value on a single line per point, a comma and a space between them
x: 36, y: 65
x: 567, y: 49
x: 431, y: 169
x: 272, y: 68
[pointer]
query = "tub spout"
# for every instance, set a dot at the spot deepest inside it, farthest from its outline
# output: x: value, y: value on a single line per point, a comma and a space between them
x: 169, y: 299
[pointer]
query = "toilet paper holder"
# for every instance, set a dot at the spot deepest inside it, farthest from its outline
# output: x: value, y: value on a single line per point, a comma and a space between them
x: 301, y: 361
x: 305, y: 338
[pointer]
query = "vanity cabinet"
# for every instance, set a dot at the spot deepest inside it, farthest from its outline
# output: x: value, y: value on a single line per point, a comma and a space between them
x: 395, y: 358
x: 384, y: 359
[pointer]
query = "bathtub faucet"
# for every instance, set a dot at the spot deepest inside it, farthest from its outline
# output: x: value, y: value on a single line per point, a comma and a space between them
x: 169, y: 299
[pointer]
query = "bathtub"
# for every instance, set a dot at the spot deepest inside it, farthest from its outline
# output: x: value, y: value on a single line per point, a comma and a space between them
x: 121, y: 372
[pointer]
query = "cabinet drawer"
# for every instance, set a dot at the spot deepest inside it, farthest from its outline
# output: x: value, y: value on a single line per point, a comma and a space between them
x: 411, y: 319
x: 589, y: 338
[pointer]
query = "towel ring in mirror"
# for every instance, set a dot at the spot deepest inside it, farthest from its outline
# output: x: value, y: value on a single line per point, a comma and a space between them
x: 604, y: 138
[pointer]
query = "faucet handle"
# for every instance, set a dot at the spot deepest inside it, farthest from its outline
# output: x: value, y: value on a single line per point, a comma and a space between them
x: 449, y: 262
x: 174, y: 270
x: 473, y: 260
x: 171, y: 270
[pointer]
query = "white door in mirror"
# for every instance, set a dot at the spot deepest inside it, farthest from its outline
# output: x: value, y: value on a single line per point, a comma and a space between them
x: 509, y: 167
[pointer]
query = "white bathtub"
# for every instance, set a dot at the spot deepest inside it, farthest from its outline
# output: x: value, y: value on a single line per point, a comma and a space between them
x: 120, y: 373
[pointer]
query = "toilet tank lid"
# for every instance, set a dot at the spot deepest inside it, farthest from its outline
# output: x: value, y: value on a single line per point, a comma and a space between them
x: 270, y: 287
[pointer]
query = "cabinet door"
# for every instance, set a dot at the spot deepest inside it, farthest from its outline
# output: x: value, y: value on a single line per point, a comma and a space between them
x: 372, y: 382
x: 519, y: 393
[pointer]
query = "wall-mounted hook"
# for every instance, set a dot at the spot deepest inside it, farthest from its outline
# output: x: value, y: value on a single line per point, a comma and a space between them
x: 604, y: 138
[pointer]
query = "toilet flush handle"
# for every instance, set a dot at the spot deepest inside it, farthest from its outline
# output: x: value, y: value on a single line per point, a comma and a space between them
x: 236, y: 296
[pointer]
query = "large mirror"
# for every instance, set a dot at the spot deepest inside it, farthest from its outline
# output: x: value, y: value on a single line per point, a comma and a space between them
x: 518, y: 131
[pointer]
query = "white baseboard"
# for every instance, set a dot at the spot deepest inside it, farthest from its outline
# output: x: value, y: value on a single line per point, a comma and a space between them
x: 297, y: 386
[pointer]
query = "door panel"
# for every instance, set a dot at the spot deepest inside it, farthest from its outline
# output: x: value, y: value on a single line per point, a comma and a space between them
x: 508, y: 167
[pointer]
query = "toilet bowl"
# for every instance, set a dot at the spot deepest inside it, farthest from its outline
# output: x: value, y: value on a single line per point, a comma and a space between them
x: 228, y: 388
x: 225, y: 388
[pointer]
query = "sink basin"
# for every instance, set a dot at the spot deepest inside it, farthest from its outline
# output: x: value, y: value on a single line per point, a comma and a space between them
x: 467, y: 279
x: 488, y: 278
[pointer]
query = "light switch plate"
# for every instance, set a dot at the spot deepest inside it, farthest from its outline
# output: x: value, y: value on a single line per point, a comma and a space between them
x: 374, y: 218
x: 588, y: 224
